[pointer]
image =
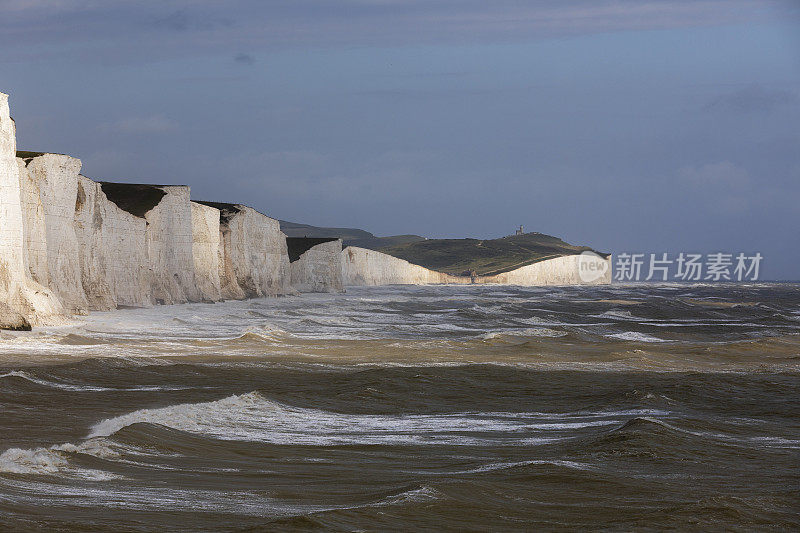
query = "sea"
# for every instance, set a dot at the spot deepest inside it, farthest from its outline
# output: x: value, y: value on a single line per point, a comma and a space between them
x: 411, y: 408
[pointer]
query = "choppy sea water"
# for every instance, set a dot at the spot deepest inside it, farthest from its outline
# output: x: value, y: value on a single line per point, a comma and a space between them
x: 411, y: 408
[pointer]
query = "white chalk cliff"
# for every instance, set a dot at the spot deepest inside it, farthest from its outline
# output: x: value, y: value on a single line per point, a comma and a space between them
x: 69, y: 245
x: 23, y: 301
x: 49, y: 183
x: 112, y: 250
x: 205, y: 251
x: 253, y: 258
x: 361, y: 266
x: 579, y: 269
x: 318, y: 268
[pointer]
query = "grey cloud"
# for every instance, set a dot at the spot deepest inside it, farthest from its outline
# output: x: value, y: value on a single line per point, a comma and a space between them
x: 177, y: 20
x: 244, y: 59
x: 144, y: 124
x: 575, y: 137
x: 183, y: 20
x: 754, y: 99
x: 289, y: 164
x: 277, y: 23
x: 307, y: 173
x: 722, y: 174
x: 724, y: 187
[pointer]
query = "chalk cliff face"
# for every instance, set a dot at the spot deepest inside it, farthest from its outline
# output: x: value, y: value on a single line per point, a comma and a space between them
x: 260, y: 257
x: 49, y: 183
x: 69, y: 244
x: 584, y: 269
x: 170, y: 247
x: 228, y: 281
x: 361, y: 266
x: 34, y: 227
x: 205, y: 251
x: 149, y: 244
x: 369, y: 267
x: 253, y: 259
x: 318, y: 268
x: 113, y: 250
x: 22, y: 300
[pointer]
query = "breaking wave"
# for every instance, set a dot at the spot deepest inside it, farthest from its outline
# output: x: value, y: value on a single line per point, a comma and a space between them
x: 253, y: 417
x: 464, y: 406
x: 55, y: 460
x: 83, y: 388
x: 516, y: 334
x: 635, y: 336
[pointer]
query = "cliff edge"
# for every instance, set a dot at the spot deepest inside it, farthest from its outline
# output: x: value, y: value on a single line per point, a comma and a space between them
x: 23, y: 301
x: 70, y: 244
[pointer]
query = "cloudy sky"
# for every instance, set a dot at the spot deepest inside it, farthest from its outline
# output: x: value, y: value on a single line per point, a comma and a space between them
x: 639, y: 126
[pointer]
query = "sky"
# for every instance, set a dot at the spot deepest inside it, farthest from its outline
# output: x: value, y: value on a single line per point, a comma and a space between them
x: 632, y: 126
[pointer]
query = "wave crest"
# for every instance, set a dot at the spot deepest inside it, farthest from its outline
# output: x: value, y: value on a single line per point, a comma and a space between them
x: 55, y: 460
x: 253, y: 417
x: 513, y: 334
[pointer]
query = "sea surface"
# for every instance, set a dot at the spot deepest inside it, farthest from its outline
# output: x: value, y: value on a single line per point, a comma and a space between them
x: 411, y: 408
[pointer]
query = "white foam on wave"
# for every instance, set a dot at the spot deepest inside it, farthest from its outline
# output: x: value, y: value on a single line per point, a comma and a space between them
x: 775, y: 442
x: 635, y: 336
x: 386, y: 313
x: 53, y: 384
x: 54, y: 460
x: 252, y: 417
x: 618, y: 314
x: 538, y: 321
x: 83, y: 388
x: 160, y: 499
x: 526, y: 332
x: 492, y: 467
x: 422, y: 494
x: 437, y: 327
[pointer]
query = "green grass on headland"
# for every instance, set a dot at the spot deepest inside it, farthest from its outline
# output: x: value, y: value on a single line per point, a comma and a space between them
x: 453, y: 256
x: 24, y: 154
x: 484, y: 257
x: 349, y: 236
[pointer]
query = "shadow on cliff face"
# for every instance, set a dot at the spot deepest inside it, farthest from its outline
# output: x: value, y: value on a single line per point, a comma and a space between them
x: 136, y: 199
x: 299, y: 245
x: 226, y: 211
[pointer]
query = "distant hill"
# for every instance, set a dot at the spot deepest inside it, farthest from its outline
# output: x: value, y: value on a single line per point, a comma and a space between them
x: 485, y: 257
x: 453, y: 256
x: 349, y: 236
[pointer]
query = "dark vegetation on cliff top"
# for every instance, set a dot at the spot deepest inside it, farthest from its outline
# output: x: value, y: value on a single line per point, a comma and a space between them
x: 453, y: 256
x: 135, y: 198
x: 484, y: 257
x: 349, y: 236
x: 226, y: 211
x: 27, y: 155
x: 299, y: 245
x: 24, y: 154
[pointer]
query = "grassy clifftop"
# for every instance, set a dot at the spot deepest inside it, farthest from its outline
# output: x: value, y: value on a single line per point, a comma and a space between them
x: 349, y: 236
x: 485, y: 257
x: 453, y: 256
